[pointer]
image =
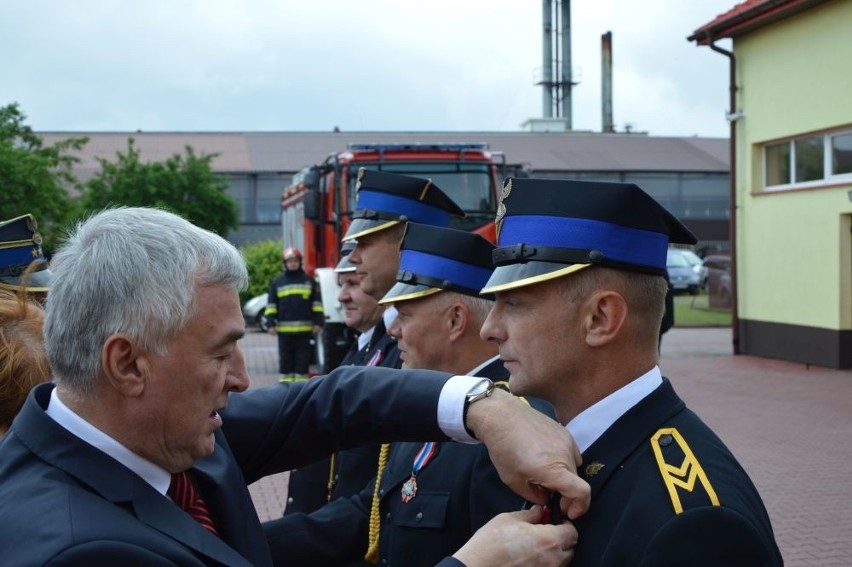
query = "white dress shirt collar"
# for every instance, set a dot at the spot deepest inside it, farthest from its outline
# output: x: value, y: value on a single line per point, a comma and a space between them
x: 158, y: 477
x: 364, y: 338
x: 592, y: 422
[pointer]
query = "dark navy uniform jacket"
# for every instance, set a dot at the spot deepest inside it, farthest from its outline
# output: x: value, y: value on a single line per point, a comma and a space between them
x: 666, y: 491
x: 64, y: 502
x: 458, y: 491
x: 308, y: 487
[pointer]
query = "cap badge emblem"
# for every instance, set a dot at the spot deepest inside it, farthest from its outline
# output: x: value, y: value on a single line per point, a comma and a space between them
x: 501, y: 208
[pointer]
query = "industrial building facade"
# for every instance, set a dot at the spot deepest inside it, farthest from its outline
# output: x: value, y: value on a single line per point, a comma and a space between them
x: 688, y: 175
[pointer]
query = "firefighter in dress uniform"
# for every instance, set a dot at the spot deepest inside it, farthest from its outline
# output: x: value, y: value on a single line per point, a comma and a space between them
x: 345, y: 472
x: 586, y: 261
x: 385, y: 203
x: 428, y: 498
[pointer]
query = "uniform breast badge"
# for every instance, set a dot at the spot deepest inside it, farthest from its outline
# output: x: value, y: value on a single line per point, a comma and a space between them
x: 409, y: 487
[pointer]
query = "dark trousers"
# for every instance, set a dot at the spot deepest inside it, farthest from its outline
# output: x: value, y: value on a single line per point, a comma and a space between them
x: 294, y: 353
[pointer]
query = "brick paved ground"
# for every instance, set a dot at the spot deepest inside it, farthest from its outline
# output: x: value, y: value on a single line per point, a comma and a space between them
x: 790, y: 426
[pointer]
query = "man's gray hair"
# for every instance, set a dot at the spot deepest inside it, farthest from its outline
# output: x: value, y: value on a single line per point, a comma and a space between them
x: 479, y: 307
x: 129, y: 270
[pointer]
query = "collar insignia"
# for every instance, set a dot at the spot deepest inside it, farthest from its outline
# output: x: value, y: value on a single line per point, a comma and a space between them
x: 594, y: 468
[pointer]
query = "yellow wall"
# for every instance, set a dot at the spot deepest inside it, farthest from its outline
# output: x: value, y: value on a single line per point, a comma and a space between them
x: 793, y: 247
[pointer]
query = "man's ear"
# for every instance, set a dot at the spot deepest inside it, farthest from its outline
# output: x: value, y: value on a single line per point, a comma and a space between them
x: 607, y: 312
x: 458, y: 318
x: 125, y: 364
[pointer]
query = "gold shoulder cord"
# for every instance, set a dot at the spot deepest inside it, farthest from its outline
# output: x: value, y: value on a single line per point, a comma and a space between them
x: 683, y: 475
x: 372, y: 555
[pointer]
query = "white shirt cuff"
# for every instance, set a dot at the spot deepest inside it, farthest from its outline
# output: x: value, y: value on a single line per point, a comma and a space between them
x: 451, y: 407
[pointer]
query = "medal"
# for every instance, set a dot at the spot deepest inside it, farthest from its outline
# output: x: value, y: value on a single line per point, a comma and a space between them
x: 409, y: 489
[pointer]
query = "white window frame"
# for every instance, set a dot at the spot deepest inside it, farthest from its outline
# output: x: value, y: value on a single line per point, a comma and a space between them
x: 828, y: 175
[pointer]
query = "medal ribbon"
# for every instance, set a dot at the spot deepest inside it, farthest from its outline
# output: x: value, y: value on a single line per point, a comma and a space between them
x: 427, y: 451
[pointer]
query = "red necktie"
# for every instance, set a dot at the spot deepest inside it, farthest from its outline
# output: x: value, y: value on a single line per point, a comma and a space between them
x: 184, y: 494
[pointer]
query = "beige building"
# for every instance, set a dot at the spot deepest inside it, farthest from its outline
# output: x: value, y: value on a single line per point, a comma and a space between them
x: 791, y: 116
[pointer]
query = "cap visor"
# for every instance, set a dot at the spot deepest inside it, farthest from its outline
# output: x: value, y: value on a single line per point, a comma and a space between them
x: 37, y: 281
x: 404, y: 292
x: 363, y: 227
x: 344, y: 265
x: 520, y: 275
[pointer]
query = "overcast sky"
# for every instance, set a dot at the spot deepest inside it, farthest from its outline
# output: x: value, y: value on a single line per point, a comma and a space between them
x: 360, y: 65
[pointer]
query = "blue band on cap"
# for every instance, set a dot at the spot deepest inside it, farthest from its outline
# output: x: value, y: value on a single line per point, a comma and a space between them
x: 618, y: 243
x: 439, y: 267
x: 416, y: 211
x: 20, y: 255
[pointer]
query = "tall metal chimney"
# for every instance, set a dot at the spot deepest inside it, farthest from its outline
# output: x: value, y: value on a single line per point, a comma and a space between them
x: 556, y: 80
x: 565, y: 75
x: 606, y: 82
x: 547, y: 60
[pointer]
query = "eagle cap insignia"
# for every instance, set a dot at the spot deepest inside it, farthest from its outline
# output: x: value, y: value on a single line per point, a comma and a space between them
x: 361, y: 171
x: 501, y: 208
x: 594, y: 468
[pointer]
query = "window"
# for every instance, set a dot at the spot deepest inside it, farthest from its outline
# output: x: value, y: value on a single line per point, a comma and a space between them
x: 841, y: 154
x: 808, y: 160
x: 778, y: 164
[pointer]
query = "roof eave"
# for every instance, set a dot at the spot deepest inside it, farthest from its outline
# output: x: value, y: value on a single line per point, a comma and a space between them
x: 739, y: 23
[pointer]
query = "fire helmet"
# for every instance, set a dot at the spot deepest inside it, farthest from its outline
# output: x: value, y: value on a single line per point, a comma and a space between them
x: 291, y: 252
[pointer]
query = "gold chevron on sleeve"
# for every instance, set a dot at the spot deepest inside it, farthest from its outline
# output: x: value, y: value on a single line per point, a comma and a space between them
x: 684, y: 475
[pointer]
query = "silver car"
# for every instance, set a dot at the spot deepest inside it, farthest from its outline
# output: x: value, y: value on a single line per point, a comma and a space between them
x: 682, y: 275
x: 253, y: 311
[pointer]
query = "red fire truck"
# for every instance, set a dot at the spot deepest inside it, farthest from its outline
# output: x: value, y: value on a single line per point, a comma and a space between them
x: 317, y: 206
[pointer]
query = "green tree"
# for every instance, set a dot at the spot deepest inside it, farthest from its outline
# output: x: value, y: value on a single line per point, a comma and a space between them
x: 35, y: 178
x: 183, y: 184
x: 264, y: 263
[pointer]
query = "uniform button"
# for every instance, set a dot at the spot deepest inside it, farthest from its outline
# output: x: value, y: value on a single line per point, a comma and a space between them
x: 290, y: 500
x: 336, y: 477
x: 384, y: 561
x: 387, y: 516
x: 665, y: 440
x: 419, y: 516
x: 381, y: 492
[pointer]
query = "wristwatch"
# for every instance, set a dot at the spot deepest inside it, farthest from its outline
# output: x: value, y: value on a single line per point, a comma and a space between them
x: 478, y: 391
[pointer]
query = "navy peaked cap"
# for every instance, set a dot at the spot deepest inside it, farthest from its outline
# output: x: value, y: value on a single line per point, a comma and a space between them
x: 387, y: 199
x: 20, y: 246
x: 548, y: 228
x: 433, y: 259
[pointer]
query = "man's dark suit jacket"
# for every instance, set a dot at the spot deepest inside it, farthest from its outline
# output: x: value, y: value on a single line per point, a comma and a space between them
x: 64, y: 502
x: 653, y: 475
x: 458, y: 492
